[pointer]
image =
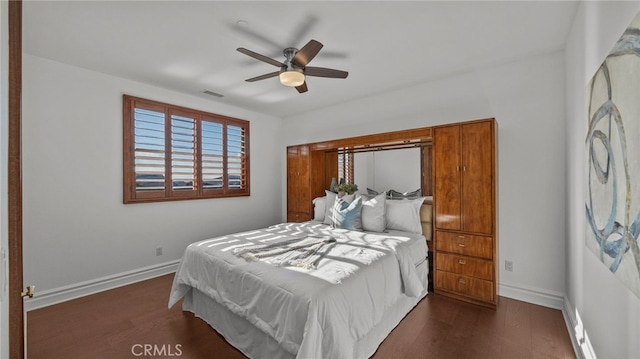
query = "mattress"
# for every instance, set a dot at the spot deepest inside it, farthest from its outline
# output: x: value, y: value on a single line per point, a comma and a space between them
x: 310, y: 313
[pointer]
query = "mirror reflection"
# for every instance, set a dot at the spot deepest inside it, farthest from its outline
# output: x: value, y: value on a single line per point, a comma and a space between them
x: 384, y: 170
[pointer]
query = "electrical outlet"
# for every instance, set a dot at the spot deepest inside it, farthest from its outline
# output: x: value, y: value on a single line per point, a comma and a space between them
x: 508, y: 266
x: 158, y: 251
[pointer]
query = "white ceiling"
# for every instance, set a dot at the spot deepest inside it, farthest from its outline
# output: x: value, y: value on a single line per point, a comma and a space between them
x: 191, y: 46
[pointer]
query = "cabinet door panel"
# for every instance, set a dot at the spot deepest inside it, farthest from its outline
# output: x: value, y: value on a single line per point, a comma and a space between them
x: 477, y: 177
x: 298, y: 193
x: 446, y: 158
x: 298, y: 217
x: 292, y: 178
x: 304, y: 199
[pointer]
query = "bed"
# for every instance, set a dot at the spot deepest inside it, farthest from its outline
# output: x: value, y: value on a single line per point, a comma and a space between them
x: 343, y: 306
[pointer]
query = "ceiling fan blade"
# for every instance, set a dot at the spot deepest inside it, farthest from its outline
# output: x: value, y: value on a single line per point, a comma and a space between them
x: 257, y: 56
x: 303, y: 29
x: 262, y: 77
x: 325, y: 72
x: 307, y: 53
x: 302, y: 88
x: 256, y: 35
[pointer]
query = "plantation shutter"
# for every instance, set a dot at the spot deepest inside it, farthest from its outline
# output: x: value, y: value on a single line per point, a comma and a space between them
x: 236, y: 155
x: 149, y: 151
x: 183, y: 154
x: 348, y: 167
x: 212, y: 155
x: 345, y: 166
x: 173, y: 153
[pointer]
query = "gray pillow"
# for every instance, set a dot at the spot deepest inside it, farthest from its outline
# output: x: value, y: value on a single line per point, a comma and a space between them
x: 392, y: 194
x: 372, y: 192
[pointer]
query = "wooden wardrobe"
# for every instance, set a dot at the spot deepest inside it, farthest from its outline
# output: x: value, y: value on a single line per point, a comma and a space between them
x: 306, y: 180
x: 465, y: 211
x: 459, y: 168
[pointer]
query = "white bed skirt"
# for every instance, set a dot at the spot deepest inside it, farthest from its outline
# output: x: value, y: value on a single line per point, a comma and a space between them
x: 254, y: 343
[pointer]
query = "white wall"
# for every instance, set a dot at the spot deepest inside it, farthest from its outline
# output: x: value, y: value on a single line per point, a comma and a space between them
x: 527, y: 99
x: 76, y: 228
x: 609, y: 312
x: 4, y: 214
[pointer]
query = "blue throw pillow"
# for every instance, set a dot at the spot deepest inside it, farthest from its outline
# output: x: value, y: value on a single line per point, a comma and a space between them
x: 347, y: 215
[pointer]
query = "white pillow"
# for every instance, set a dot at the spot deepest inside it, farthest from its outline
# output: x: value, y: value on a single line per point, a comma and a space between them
x: 319, y: 205
x: 373, y: 213
x: 331, y: 199
x: 404, y: 215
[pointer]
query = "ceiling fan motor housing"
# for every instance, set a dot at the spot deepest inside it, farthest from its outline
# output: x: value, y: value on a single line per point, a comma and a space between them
x: 289, y: 53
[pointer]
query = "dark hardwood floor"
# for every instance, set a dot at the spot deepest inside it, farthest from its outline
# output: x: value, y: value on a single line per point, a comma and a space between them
x: 119, y: 323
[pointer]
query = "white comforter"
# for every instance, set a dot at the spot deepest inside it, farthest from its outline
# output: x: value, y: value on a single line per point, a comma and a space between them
x: 317, y: 313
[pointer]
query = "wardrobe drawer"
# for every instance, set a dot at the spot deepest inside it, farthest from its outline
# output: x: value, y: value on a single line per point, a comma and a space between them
x: 467, y: 244
x: 468, y: 266
x: 464, y: 285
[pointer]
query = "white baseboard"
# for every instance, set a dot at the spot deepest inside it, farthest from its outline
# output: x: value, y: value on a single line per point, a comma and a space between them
x: 62, y: 294
x: 579, y: 338
x: 533, y: 295
x: 570, y: 320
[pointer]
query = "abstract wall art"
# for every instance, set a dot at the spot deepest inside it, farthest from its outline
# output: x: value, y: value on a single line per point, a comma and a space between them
x: 612, y: 198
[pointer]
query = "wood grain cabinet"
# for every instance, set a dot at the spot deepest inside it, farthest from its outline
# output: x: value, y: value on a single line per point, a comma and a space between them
x: 465, y: 213
x: 299, y: 206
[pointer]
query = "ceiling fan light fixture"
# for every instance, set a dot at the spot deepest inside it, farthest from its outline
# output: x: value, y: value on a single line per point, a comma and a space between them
x: 294, y: 70
x: 292, y: 77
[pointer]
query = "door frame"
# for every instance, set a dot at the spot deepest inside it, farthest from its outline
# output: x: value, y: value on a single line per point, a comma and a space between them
x: 16, y: 305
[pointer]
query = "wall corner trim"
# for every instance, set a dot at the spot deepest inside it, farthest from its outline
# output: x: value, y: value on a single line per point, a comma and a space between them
x: 73, y: 291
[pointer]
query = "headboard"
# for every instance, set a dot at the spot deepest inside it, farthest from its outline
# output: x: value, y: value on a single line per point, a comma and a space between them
x: 426, y: 220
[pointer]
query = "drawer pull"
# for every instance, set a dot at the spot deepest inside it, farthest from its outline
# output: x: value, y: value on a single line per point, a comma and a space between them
x: 461, y: 236
x: 462, y: 281
x: 462, y: 261
x: 460, y: 244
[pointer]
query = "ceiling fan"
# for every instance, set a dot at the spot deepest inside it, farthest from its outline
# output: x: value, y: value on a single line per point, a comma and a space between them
x: 294, y: 69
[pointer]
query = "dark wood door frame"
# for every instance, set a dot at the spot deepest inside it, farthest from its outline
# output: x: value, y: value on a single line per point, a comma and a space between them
x: 16, y: 318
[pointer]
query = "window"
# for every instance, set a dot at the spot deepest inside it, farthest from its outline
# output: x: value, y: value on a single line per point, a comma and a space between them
x: 345, y: 166
x: 175, y: 153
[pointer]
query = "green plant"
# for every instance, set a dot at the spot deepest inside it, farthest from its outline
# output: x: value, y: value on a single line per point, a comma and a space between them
x: 350, y: 188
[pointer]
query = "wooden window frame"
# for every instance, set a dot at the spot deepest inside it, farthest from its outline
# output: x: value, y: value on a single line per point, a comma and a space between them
x: 132, y: 195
